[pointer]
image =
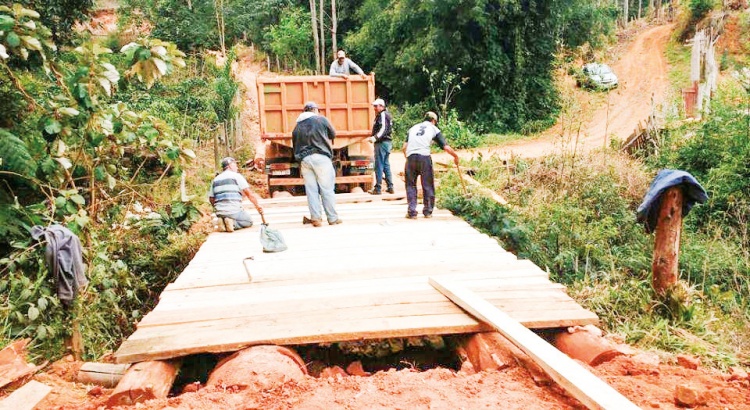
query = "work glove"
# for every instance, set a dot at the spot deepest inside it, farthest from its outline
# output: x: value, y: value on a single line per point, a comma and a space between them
x: 373, y: 139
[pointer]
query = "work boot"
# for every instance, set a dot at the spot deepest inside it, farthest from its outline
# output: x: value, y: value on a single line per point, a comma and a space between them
x: 390, y: 190
x: 336, y: 222
x: 374, y: 192
x: 228, y: 224
x: 410, y: 216
x: 428, y: 215
x: 314, y: 222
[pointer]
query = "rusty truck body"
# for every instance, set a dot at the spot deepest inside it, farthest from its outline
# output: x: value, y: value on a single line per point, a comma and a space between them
x: 346, y: 103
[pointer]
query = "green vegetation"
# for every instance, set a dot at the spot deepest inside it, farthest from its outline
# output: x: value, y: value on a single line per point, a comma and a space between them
x: 71, y: 152
x: 575, y: 217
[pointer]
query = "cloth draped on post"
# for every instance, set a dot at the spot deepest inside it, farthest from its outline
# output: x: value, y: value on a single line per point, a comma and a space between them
x: 64, y: 260
x: 648, y: 211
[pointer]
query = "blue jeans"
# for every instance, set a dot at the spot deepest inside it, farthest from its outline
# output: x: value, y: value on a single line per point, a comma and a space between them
x: 420, y: 166
x: 320, y: 181
x: 383, y: 164
x: 242, y: 219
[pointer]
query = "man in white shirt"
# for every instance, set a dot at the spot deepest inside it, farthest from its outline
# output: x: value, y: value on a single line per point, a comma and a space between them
x: 419, y: 163
x: 341, y: 66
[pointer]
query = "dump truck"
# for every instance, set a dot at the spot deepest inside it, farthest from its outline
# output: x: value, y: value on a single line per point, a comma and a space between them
x: 345, y: 102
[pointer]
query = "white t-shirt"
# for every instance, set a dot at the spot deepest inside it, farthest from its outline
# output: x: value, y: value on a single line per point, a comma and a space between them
x: 421, y: 136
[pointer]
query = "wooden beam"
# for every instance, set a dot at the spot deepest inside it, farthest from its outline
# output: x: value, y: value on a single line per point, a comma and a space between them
x: 103, y: 374
x: 484, y: 190
x: 667, y: 241
x: 579, y: 382
x: 27, y: 397
x: 13, y: 365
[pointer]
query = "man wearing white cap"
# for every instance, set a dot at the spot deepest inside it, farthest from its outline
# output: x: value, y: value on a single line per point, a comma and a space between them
x: 381, y: 137
x: 341, y: 66
x: 419, y: 163
x: 225, y: 194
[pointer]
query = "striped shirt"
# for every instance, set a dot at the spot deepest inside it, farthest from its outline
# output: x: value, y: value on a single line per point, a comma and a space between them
x: 226, y: 189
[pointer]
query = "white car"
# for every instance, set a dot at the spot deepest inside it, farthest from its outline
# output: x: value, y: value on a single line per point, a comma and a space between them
x: 597, y: 75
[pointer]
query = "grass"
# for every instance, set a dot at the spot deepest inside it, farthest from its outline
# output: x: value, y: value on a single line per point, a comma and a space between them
x: 575, y: 217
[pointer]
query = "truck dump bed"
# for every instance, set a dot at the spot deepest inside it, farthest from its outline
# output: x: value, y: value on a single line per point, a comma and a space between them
x: 347, y: 105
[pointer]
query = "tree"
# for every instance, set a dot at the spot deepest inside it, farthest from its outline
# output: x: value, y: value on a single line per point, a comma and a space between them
x: 314, y: 24
x: 505, y: 47
x: 60, y: 15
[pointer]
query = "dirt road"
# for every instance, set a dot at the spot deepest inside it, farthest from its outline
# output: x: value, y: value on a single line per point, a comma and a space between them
x: 642, y: 71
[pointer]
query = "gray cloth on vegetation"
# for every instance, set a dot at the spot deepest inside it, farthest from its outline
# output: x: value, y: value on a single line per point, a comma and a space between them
x: 271, y: 239
x: 648, y: 211
x: 64, y: 260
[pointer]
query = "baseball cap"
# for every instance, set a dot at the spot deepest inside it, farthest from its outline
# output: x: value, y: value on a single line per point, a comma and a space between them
x: 310, y: 105
x: 340, y: 54
x: 226, y: 161
x: 379, y: 101
x: 431, y: 116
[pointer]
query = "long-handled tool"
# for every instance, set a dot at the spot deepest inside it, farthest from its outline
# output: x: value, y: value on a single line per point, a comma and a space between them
x: 271, y: 239
x: 461, y: 177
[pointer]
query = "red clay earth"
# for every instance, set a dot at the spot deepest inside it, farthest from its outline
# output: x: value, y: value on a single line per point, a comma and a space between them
x: 641, y: 378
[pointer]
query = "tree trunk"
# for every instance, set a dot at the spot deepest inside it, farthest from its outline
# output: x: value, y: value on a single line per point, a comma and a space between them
x: 667, y: 241
x: 219, y: 7
x: 216, y: 150
x: 625, y: 11
x: 144, y: 381
x: 640, y: 8
x: 322, y: 38
x: 334, y: 25
x: 314, y: 19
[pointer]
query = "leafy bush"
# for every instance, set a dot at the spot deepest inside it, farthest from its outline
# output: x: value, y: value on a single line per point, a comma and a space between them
x: 699, y: 8
x: 458, y: 133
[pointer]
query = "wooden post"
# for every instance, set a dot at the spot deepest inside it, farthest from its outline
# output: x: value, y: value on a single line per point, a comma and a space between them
x: 667, y: 241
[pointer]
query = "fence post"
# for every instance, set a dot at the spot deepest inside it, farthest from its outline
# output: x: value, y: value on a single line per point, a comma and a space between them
x: 665, y: 265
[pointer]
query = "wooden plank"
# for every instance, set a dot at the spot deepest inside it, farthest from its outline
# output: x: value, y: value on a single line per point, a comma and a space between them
x: 27, y: 397
x: 292, y: 287
x: 13, y: 365
x: 579, y: 382
x: 233, y: 338
x: 420, y: 303
x: 512, y: 280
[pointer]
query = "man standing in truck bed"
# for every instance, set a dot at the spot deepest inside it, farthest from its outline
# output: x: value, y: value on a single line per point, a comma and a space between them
x: 381, y: 137
x: 312, y: 141
x: 341, y: 66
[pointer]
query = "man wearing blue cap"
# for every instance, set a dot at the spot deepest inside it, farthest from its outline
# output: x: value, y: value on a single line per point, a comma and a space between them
x: 225, y: 194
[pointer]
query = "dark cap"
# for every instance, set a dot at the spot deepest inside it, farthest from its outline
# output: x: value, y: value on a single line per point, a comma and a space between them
x: 310, y: 105
x: 226, y: 161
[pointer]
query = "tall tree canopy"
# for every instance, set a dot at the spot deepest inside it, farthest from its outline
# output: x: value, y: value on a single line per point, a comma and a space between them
x: 506, y: 48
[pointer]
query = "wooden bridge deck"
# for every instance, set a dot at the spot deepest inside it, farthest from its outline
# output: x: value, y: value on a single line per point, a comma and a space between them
x: 363, y: 279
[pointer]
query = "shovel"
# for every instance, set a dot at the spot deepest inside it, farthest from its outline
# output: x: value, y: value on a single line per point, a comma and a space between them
x: 461, y: 177
x: 271, y: 239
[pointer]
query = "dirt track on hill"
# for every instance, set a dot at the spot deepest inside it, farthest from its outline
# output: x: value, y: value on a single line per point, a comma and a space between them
x: 642, y: 71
